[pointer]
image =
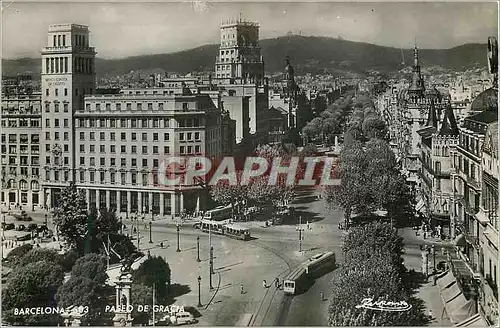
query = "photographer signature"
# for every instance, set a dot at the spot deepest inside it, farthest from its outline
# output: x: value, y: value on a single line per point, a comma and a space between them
x: 368, y: 303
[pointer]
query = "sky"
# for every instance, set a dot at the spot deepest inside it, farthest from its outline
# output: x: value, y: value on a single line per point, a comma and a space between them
x: 122, y: 29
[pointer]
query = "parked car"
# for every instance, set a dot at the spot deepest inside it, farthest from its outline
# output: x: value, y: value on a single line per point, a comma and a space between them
x: 32, y: 227
x: 8, y: 226
x: 182, y: 318
x: 21, y: 227
x: 24, y: 238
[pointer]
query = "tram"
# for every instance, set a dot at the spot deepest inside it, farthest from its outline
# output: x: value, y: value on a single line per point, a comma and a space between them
x: 309, y: 270
x: 224, y: 228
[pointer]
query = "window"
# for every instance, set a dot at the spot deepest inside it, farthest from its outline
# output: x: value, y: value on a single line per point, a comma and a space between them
x: 123, y: 149
x: 92, y: 176
x: 144, y: 149
x: 155, y: 149
x: 438, y: 167
x: 189, y: 136
x: 113, y: 161
x: 155, y: 136
x: 129, y: 106
x: 47, y: 159
x: 82, y: 160
x: 56, y: 123
x: 166, y: 149
x: 181, y: 136
x: 134, y: 149
x: 82, y: 176
x: 156, y: 123
x: 82, y: 135
x: 196, y: 136
x: 134, y: 136
x: 134, y: 178
x: 144, y: 137
x: 66, y: 136
x: 92, y: 135
x: 102, y: 161
x: 123, y: 161
x: 66, y: 122
x: 185, y: 106
x: 183, y: 149
x: 134, y: 162
x: 46, y: 92
x: 112, y: 123
x: 166, y: 137
x: 118, y: 106
x: 112, y: 136
x: 56, y: 107
x: 66, y: 161
x: 150, y: 106
x: 139, y: 106
x: 56, y: 92
x: 47, y: 122
x: 123, y: 136
x: 112, y: 177
x: 92, y: 148
x: 108, y: 106
x: 123, y: 178
x: 97, y: 106
x: 101, y: 135
x: 166, y: 123
x: 82, y: 148
x: 123, y: 123
x: 92, y: 161
x: 87, y: 107
x: 144, y: 123
x: 47, y: 107
x: 144, y: 162
x: 102, y: 148
x: 197, y: 149
x: 438, y: 184
x: 155, y: 162
x: 65, y: 91
x: 112, y: 149
x: 102, y: 123
x: 47, y: 135
x: 160, y: 106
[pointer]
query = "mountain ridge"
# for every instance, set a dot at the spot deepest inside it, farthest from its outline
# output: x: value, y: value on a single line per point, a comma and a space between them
x: 308, y: 54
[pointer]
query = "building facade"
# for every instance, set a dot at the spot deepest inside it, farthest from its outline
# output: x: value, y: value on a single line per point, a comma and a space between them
x: 20, y: 149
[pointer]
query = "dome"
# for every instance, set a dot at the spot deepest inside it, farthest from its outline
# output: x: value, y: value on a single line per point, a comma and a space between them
x: 486, y: 100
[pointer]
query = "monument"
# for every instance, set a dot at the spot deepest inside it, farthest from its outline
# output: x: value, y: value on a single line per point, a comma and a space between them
x: 123, y: 284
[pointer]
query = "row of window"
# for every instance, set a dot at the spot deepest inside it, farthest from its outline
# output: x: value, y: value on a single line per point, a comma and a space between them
x: 145, y: 181
x: 128, y: 106
x: 56, y: 136
x: 140, y: 123
x: 183, y: 136
x: 23, y: 160
x: 23, y: 185
x: 60, y: 65
x: 56, y: 123
x: 191, y: 149
x: 23, y: 138
x: 56, y: 92
x: 23, y: 171
x: 23, y: 149
x: 21, y: 122
x: 56, y: 107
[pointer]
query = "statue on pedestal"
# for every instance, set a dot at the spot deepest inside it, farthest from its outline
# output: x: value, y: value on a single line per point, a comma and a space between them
x: 123, y: 285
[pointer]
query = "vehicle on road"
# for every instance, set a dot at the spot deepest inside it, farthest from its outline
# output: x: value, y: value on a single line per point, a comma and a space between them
x: 22, y: 217
x: 219, y: 213
x: 224, y: 228
x: 24, y: 238
x: 177, y: 319
x: 21, y: 227
x: 32, y: 227
x: 292, y: 283
x: 304, y: 274
x: 8, y: 226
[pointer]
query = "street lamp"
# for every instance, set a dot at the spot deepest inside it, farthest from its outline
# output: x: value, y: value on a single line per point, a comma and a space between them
x: 121, y: 225
x: 150, y: 237
x: 152, y: 217
x: 211, y: 266
x: 434, y: 258
x: 45, y: 219
x: 299, y: 229
x: 199, y: 292
x: 178, y: 229
x: 198, y: 248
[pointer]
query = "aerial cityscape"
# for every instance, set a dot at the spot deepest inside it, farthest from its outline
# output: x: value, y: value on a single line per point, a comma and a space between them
x: 281, y: 164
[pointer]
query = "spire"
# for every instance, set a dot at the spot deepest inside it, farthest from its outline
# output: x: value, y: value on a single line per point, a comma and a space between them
x: 432, y: 117
x: 417, y: 83
x: 449, y: 126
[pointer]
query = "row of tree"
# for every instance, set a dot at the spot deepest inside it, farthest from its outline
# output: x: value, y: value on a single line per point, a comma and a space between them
x: 370, y: 175
x: 373, y: 269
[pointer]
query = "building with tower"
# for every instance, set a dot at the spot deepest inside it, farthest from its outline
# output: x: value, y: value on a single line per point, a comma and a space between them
x: 68, y: 73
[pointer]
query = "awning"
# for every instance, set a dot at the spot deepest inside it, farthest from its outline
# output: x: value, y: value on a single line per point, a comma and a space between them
x: 446, y: 280
x: 420, y: 205
x: 459, y: 308
x: 460, y: 240
x: 450, y: 293
x: 475, y: 321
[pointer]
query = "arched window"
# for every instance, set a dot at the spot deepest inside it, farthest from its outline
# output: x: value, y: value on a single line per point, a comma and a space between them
x: 11, y: 184
x: 23, y: 184
x: 35, y: 185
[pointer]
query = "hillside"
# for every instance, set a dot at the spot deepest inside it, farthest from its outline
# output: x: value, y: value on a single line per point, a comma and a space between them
x: 308, y: 54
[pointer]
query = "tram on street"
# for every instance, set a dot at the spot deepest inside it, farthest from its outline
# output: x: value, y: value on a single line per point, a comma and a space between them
x: 219, y: 213
x: 309, y: 270
x: 224, y: 228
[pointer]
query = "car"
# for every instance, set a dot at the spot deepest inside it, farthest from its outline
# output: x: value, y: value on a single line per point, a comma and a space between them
x: 182, y: 318
x: 8, y: 226
x: 32, y: 227
x: 22, y: 217
x: 24, y: 238
x: 21, y: 227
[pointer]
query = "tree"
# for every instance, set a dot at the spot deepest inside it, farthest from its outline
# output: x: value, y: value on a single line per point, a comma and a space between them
x: 154, y: 270
x: 87, y: 287
x: 71, y: 217
x: 41, y: 254
x: 141, y: 295
x: 32, y: 285
x: 17, y: 253
x: 374, y: 127
x: 308, y: 150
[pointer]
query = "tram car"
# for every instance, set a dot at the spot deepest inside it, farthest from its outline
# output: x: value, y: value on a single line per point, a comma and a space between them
x: 304, y: 274
x: 224, y: 228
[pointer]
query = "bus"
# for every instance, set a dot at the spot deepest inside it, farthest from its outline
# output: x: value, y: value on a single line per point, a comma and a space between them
x: 236, y: 231
x: 219, y: 213
x: 319, y: 264
x: 292, y: 283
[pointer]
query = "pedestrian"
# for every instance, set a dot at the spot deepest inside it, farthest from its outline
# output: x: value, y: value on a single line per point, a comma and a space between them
x: 431, y: 315
x: 241, y: 289
x: 161, y: 244
x: 277, y: 282
x: 264, y: 283
x: 322, y: 296
x: 434, y: 277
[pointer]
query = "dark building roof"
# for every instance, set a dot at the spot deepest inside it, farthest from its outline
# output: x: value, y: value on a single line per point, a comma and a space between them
x: 449, y: 126
x: 431, y: 116
x: 486, y: 117
x: 427, y: 132
x: 490, y: 144
x: 486, y: 100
